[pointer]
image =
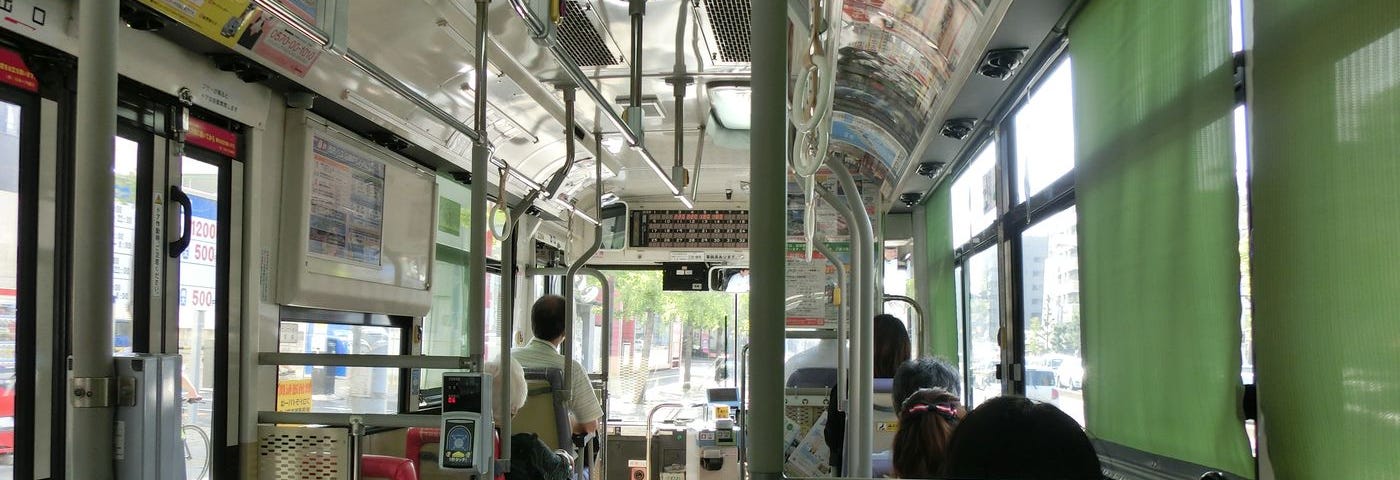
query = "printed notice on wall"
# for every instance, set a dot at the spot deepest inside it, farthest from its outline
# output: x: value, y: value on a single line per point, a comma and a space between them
x: 347, y: 204
x: 807, y: 285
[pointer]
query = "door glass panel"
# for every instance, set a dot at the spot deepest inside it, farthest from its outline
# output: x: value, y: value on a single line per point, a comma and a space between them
x: 9, y: 274
x: 1050, y: 268
x: 198, y: 284
x: 123, y: 242
x: 983, y: 323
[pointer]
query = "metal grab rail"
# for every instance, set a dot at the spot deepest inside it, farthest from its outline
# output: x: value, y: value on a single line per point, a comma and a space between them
x: 865, y: 373
x: 388, y: 420
x: 743, y: 382
x: 918, y: 310
x: 648, y: 432
x: 854, y: 311
x: 368, y: 360
x: 581, y: 79
x: 607, y: 339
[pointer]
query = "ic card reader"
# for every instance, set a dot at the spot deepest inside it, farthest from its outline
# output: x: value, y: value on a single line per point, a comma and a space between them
x: 467, y: 432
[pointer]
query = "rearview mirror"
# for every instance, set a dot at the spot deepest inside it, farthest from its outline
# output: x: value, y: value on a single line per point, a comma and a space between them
x: 614, y: 220
x: 730, y: 279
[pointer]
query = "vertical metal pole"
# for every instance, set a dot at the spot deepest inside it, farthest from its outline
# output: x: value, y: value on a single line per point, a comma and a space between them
x: 607, y: 353
x: 476, y: 275
x: 855, y: 415
x: 841, y: 331
x: 865, y: 362
x: 90, y: 428
x: 568, y: 346
x: 636, y: 9
x: 679, y: 82
x: 878, y: 223
x: 507, y: 304
x: 767, y: 236
x: 357, y: 447
x: 569, y: 288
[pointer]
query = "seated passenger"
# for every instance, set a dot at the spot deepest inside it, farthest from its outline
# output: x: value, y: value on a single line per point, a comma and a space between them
x: 926, y: 422
x: 547, y: 324
x: 518, y: 388
x: 820, y: 357
x: 891, y: 349
x: 921, y: 373
x: 1011, y: 437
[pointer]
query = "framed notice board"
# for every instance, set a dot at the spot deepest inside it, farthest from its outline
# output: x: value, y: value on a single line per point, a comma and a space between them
x: 358, y: 223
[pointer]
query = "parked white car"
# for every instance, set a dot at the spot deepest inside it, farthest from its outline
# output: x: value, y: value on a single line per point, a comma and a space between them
x: 1040, y: 385
x: 1068, y: 370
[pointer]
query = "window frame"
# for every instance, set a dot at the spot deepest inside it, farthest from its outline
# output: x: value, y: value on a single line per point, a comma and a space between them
x: 1012, y: 219
x: 360, y: 319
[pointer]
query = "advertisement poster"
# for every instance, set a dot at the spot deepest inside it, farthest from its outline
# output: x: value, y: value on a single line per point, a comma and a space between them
x: 811, y: 458
x: 271, y: 39
x: 347, y: 204
x: 208, y: 136
x: 15, y: 73
x: 306, y: 9
x: 220, y: 20
x: 813, y: 289
x: 199, y: 262
x: 867, y: 136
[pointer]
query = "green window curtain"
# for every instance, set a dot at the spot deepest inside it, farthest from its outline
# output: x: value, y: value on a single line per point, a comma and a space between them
x: 941, y: 334
x: 1159, y: 259
x: 1326, y: 127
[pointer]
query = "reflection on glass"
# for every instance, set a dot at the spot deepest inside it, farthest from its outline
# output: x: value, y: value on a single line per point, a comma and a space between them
x: 614, y: 219
x: 983, y: 325
x: 198, y: 284
x: 1050, y: 276
x: 959, y: 307
x: 445, y: 329
x: 975, y: 196
x: 493, y: 315
x: 337, y: 389
x: 1246, y: 304
x: 1045, y: 134
x: 9, y: 272
x: 123, y: 242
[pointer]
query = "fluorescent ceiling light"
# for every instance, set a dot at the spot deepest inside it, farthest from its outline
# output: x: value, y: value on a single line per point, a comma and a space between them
x: 732, y: 104
x: 686, y: 202
x: 614, y: 143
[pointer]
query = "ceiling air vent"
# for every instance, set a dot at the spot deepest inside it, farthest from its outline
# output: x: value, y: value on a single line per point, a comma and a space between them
x: 578, y: 33
x: 729, y: 27
x: 651, y: 106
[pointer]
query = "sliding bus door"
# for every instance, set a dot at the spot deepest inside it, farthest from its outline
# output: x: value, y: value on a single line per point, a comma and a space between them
x: 19, y: 168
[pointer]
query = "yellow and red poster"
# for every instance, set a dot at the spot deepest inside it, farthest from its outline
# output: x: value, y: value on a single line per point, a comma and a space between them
x: 294, y: 395
x: 221, y: 20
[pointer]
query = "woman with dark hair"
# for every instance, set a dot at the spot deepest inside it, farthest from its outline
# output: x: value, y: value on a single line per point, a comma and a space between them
x: 1011, y: 437
x: 926, y: 421
x: 891, y: 349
